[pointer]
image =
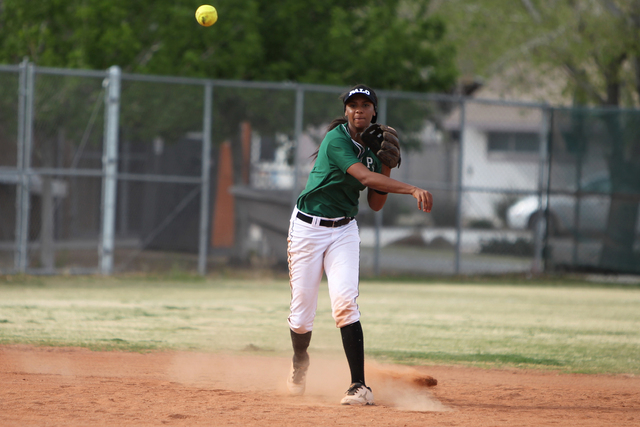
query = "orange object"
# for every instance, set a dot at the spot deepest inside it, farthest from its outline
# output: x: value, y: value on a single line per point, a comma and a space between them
x: 223, y: 229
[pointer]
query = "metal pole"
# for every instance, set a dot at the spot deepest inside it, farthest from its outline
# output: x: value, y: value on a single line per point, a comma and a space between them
x: 382, y: 118
x: 297, y: 135
x: 25, y: 141
x: 110, y: 169
x: 206, y: 174
x: 460, y: 187
x: 536, y: 267
x: 22, y: 91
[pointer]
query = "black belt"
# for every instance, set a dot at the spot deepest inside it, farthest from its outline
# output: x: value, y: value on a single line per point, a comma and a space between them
x: 324, y: 222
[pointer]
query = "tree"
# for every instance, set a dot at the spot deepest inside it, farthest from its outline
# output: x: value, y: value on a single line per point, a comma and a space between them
x: 325, y: 42
x: 591, y: 43
x: 348, y: 42
x: 159, y: 37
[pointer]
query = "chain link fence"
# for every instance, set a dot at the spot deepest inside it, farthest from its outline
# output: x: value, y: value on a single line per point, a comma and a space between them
x: 104, y: 172
x: 594, y: 190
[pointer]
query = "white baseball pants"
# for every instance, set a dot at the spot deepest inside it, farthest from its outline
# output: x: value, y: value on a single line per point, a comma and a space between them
x: 313, y: 248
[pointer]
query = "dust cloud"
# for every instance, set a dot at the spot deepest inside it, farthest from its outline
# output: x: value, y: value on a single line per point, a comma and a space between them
x: 327, y: 380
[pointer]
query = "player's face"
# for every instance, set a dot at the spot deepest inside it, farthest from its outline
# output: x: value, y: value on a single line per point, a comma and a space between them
x: 359, y: 111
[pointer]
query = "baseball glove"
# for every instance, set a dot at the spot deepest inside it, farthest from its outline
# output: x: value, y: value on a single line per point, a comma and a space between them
x: 383, y: 141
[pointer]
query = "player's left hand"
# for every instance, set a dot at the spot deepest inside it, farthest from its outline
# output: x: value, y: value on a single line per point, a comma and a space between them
x: 383, y: 141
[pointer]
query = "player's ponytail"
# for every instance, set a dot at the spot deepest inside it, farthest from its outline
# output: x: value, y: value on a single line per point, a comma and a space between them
x: 334, y: 124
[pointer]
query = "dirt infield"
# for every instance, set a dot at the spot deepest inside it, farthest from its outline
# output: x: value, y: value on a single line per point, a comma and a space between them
x: 78, y: 387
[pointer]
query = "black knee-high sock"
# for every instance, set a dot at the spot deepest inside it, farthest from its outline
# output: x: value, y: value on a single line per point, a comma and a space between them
x: 353, y: 343
x: 300, y: 343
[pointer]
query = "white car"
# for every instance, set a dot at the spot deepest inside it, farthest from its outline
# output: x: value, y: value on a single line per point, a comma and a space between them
x: 592, y: 210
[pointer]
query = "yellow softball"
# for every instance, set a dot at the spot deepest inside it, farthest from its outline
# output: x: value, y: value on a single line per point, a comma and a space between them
x: 206, y: 15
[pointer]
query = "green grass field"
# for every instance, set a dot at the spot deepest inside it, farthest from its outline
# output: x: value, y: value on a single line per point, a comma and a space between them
x: 571, y: 326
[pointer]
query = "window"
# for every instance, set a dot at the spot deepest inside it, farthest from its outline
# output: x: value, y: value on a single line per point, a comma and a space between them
x: 513, y: 142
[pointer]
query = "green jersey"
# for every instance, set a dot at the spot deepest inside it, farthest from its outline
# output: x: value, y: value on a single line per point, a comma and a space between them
x: 331, y: 192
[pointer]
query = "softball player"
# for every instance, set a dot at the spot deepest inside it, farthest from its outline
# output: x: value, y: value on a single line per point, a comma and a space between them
x: 323, y: 236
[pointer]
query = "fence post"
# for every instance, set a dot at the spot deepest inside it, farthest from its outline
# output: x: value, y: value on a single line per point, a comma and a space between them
x: 460, y: 187
x: 540, y: 228
x: 206, y: 174
x: 25, y: 141
x: 110, y: 169
x: 18, y: 250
